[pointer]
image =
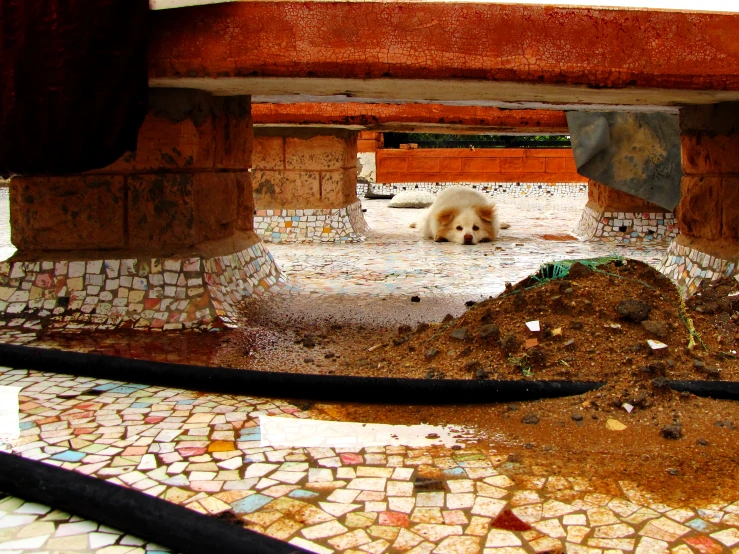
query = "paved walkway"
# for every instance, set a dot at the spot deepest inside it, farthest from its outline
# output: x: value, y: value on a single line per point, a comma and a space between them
x: 331, y: 489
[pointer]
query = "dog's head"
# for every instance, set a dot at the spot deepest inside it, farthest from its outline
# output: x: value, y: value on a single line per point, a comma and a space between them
x: 466, y: 226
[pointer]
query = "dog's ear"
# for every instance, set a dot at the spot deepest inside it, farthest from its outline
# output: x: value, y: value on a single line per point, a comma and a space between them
x: 445, y: 217
x: 486, y: 212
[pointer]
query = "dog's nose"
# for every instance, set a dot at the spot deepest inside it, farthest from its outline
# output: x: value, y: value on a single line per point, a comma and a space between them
x: 468, y: 239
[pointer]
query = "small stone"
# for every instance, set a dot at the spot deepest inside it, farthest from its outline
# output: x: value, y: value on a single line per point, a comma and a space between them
x: 515, y: 458
x: 309, y: 341
x: 570, y: 344
x: 728, y: 424
x: 578, y: 270
x: 415, y: 298
x: 430, y: 374
x: 432, y: 436
x: 673, y: 471
x: 577, y: 325
x: 470, y: 303
x: 656, y: 345
x: 701, y: 442
x: 308, y: 360
x: 431, y: 353
x: 481, y: 374
x: 472, y: 365
x: 713, y: 372
x: 537, y: 356
x: 530, y: 419
x: 576, y: 417
x: 510, y: 343
x: 489, y: 332
x: 657, y: 328
x: 460, y: 333
x: 672, y: 432
x: 447, y: 318
x: 614, y: 425
x: 329, y: 355
x: 422, y: 327
x: 633, y: 310
x: 404, y: 329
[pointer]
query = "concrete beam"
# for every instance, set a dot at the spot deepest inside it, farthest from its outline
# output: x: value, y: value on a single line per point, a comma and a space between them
x: 449, y: 51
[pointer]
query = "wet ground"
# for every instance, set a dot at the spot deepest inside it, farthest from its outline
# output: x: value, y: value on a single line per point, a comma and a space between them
x: 450, y: 489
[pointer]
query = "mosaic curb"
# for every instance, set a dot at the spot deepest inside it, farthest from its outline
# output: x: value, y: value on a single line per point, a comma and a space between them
x: 626, y: 227
x: 689, y: 267
x: 511, y: 189
x: 312, y: 225
x: 151, y: 293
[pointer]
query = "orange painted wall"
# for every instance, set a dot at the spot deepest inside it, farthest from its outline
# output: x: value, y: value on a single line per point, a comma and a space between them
x: 456, y: 165
x: 494, y: 42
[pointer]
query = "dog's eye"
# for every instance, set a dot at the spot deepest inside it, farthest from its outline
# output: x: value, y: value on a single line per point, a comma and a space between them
x: 459, y: 227
x: 475, y: 228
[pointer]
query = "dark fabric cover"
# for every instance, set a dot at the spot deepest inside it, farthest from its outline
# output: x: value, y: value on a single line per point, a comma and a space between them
x: 73, y: 83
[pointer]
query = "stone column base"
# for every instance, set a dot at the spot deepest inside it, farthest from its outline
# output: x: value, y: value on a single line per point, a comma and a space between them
x: 688, y: 267
x: 197, y: 290
x: 312, y: 225
x: 625, y: 227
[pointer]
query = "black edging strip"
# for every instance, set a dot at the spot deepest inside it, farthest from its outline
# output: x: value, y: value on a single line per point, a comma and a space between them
x: 144, y: 516
x: 378, y: 390
x: 728, y: 390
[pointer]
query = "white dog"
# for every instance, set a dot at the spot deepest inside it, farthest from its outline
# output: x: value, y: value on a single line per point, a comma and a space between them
x: 461, y: 215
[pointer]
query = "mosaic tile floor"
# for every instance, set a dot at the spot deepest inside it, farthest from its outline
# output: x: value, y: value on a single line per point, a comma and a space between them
x: 207, y: 451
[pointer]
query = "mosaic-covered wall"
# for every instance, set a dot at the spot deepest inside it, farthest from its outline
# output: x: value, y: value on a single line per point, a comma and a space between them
x: 689, y: 267
x: 312, y: 225
x: 626, y: 227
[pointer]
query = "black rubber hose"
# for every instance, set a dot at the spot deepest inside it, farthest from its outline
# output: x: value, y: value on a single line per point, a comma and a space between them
x: 726, y: 390
x: 378, y: 390
x: 130, y: 511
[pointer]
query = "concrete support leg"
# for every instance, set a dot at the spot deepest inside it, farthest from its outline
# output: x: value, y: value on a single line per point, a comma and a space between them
x: 708, y: 213
x: 162, y: 238
x: 305, y: 185
x: 615, y: 216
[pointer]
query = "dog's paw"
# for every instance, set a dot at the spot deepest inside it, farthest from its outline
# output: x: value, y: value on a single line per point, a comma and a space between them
x: 505, y: 226
x: 413, y: 225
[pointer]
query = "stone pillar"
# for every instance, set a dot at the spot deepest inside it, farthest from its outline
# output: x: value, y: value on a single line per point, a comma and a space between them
x: 305, y: 185
x: 615, y: 216
x: 368, y: 143
x: 162, y: 238
x: 708, y: 213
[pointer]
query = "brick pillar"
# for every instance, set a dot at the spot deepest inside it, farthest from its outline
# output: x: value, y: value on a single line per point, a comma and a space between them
x: 615, y: 216
x: 305, y: 185
x: 708, y: 213
x: 161, y: 238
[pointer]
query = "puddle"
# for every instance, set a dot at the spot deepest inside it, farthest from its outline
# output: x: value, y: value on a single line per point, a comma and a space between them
x: 305, y: 433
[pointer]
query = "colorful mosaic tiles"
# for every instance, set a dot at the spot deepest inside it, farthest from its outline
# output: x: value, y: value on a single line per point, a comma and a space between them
x: 688, y: 267
x: 311, y: 225
x: 164, y: 294
x: 205, y: 452
x: 625, y: 227
x: 30, y: 527
x: 510, y: 189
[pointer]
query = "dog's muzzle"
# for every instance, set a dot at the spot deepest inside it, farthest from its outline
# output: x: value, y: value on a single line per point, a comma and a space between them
x: 468, y: 239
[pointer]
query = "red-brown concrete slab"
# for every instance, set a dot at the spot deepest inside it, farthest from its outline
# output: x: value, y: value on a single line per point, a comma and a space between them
x: 598, y: 49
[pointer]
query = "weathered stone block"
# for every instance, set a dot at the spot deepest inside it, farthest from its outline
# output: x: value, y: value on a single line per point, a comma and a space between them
x: 700, y: 209
x: 706, y: 154
x: 730, y: 212
x: 216, y: 204
x: 286, y: 189
x: 161, y: 210
x: 614, y: 200
x: 269, y: 152
x: 317, y: 152
x: 67, y: 213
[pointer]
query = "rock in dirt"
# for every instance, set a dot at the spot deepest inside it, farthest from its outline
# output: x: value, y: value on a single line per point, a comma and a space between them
x: 614, y: 425
x: 578, y: 270
x: 431, y: 353
x: 576, y: 417
x: 633, y: 310
x: 460, y: 333
x: 537, y: 356
x: 725, y: 423
x: 701, y: 442
x: 657, y: 328
x: 489, y: 332
x: 447, y: 318
x: 530, y: 419
x: 672, y: 432
x: 309, y: 341
x: 510, y: 343
x: 481, y: 374
x: 415, y: 298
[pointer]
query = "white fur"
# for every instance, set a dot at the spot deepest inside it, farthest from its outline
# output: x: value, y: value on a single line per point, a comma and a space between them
x: 467, y: 227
